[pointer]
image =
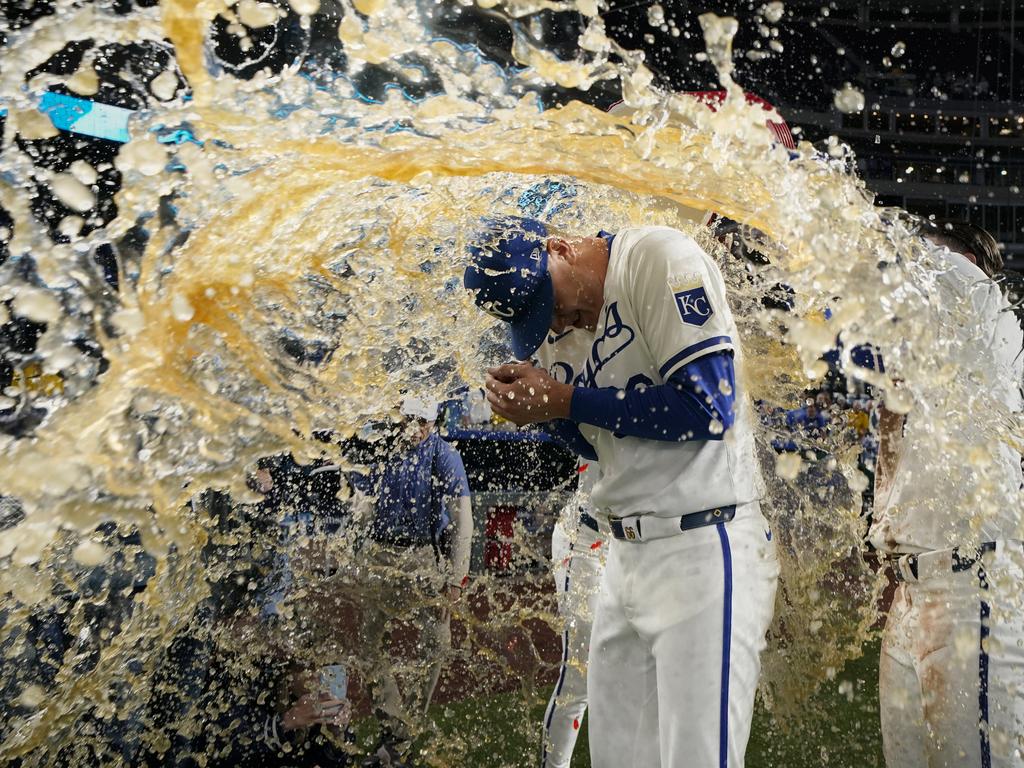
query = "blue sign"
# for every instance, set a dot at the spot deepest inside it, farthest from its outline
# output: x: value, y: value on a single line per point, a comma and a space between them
x: 90, y: 118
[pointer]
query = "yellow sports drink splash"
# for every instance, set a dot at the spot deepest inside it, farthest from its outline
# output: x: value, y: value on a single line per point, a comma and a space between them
x: 298, y: 211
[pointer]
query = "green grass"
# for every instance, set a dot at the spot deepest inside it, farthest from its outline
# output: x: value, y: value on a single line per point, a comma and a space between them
x: 840, y: 731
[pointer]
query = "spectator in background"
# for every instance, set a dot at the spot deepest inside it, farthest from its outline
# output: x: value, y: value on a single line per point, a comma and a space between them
x: 227, y: 693
x: 813, y: 418
x: 417, y: 558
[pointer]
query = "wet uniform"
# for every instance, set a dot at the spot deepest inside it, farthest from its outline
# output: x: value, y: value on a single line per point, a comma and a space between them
x: 952, y: 666
x: 688, y: 590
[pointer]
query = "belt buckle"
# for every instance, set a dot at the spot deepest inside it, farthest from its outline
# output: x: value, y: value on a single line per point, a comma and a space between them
x: 908, y: 562
x: 627, y: 528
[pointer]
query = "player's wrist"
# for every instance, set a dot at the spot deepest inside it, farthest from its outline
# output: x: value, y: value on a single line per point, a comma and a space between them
x: 562, y: 401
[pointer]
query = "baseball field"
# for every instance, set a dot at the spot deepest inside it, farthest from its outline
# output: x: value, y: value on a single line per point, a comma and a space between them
x: 840, y: 728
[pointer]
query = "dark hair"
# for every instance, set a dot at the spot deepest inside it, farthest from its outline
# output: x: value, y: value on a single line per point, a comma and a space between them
x: 963, y: 237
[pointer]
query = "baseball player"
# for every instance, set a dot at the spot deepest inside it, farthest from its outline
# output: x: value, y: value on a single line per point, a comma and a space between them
x: 418, y: 563
x: 952, y: 666
x: 577, y: 557
x: 691, y: 572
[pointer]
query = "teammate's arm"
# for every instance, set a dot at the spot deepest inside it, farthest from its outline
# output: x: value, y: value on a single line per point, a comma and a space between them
x: 696, y: 403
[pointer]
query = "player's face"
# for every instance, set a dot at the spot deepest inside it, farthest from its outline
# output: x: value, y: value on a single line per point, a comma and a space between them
x: 417, y: 430
x: 574, y: 303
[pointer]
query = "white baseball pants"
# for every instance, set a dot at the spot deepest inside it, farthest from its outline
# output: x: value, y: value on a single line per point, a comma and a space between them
x: 578, y: 562
x: 675, y: 649
x: 951, y: 675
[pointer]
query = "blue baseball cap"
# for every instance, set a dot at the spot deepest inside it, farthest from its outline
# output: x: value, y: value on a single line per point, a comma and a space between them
x: 509, y: 273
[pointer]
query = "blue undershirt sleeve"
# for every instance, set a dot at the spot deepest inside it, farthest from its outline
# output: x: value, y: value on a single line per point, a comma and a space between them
x: 568, y: 434
x: 696, y: 403
x: 867, y: 356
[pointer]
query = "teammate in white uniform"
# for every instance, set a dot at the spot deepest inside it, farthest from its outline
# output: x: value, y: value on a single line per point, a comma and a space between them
x: 690, y: 582
x: 577, y: 556
x: 952, y: 667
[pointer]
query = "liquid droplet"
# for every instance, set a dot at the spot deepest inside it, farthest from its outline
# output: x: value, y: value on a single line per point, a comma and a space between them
x: 32, y: 696
x: 164, y: 85
x: 256, y: 15
x: 849, y: 99
x: 73, y: 193
x: 773, y: 12
x: 145, y: 155
x: 36, y: 305
x: 181, y: 308
x: 89, y: 553
x: 305, y: 7
x: 788, y: 465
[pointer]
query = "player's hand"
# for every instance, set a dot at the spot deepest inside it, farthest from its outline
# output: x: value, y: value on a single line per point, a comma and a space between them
x: 317, y: 708
x: 454, y: 593
x: 526, y: 394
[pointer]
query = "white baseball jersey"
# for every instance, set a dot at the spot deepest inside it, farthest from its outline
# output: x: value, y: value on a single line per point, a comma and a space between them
x: 664, y: 306
x: 938, y: 498
x: 577, y: 555
x: 564, y: 355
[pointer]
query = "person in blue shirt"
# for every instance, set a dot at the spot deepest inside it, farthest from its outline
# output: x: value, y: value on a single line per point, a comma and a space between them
x: 417, y: 563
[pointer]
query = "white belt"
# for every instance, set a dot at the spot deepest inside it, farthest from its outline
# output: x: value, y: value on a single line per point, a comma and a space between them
x: 647, y: 527
x: 942, y: 562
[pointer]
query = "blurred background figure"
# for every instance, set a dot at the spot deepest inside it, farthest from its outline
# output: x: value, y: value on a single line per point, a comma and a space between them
x: 416, y: 555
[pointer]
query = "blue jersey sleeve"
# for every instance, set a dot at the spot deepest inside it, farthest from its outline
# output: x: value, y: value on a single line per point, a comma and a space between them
x: 696, y: 403
x: 568, y: 434
x: 867, y: 356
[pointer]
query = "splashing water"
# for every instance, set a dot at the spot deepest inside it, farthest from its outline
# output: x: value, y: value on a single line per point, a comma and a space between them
x: 302, y: 270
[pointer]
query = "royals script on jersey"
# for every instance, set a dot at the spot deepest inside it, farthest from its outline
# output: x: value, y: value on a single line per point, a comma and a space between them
x: 664, y: 306
x: 564, y: 355
x: 953, y: 484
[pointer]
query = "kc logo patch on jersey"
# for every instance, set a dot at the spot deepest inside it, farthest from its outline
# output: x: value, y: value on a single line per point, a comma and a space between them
x: 694, y: 306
